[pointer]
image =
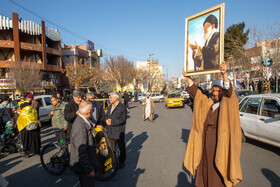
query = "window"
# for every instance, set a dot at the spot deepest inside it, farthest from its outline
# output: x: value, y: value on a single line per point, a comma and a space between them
x: 48, y: 101
x: 242, y: 103
x: 251, y: 106
x: 270, y: 108
x: 40, y: 102
x: 177, y: 95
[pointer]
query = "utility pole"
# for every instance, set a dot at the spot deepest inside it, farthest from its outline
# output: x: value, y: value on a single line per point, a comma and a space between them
x: 149, y: 72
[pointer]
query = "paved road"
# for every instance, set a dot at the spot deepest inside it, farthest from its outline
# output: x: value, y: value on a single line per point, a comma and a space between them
x: 155, y: 153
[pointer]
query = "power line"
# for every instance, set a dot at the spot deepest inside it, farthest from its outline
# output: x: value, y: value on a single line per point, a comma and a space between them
x: 68, y: 31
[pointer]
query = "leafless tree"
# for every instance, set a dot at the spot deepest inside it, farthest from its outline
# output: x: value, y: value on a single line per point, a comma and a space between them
x: 139, y: 76
x: 26, y: 74
x: 98, y: 79
x: 152, y: 72
x: 120, y: 70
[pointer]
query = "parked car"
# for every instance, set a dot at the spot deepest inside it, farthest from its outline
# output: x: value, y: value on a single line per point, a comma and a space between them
x: 242, y: 93
x: 45, y: 106
x: 260, y: 118
x: 185, y: 94
x: 140, y: 97
x: 157, y: 97
x: 174, y: 99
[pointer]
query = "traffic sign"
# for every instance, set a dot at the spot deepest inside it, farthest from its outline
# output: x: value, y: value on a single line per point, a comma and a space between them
x: 267, y: 61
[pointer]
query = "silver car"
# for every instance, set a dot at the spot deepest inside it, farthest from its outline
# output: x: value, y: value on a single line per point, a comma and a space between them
x: 260, y: 118
x: 45, y: 106
x: 157, y: 97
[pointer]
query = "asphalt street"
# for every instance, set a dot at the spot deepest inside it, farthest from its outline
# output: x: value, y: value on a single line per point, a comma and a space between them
x: 155, y: 153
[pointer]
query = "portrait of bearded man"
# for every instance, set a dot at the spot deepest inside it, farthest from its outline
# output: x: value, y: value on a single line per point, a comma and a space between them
x: 207, y: 56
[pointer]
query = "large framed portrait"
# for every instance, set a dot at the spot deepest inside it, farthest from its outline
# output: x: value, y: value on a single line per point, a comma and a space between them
x: 204, y: 41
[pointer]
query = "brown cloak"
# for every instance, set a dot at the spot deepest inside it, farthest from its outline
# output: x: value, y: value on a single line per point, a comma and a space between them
x: 228, y: 148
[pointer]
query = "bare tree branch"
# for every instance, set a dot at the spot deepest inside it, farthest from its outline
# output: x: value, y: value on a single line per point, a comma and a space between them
x: 120, y: 70
x: 27, y: 75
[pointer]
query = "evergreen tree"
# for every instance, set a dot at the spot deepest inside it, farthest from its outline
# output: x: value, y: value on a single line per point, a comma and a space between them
x: 235, y: 39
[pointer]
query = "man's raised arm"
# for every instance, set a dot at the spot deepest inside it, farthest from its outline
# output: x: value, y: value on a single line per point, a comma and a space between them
x: 227, y: 84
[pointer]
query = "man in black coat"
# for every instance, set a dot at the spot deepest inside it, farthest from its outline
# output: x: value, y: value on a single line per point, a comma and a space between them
x: 72, y: 109
x: 83, y: 158
x: 126, y: 99
x: 116, y: 122
x: 135, y: 96
x: 98, y: 114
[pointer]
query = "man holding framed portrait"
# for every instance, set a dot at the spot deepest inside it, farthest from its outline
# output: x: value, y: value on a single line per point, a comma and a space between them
x: 214, y: 143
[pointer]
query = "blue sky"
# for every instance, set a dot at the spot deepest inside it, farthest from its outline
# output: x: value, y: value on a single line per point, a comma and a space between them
x: 137, y: 28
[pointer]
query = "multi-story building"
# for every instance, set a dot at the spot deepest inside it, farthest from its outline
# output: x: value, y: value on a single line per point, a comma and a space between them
x: 263, y: 49
x: 154, y: 76
x: 75, y: 54
x: 28, y: 42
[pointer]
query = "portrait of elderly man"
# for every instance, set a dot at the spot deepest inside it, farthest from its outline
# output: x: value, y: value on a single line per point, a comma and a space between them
x: 207, y: 56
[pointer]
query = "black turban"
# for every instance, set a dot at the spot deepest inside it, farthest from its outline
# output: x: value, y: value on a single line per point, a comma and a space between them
x: 211, y: 19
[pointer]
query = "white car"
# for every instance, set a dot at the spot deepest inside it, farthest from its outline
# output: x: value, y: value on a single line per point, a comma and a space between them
x: 260, y: 118
x: 185, y: 94
x: 157, y: 97
x: 45, y: 106
x: 140, y: 97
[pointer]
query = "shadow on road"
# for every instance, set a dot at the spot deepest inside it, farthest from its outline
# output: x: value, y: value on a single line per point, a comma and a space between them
x: 264, y: 146
x: 128, y: 136
x: 156, y: 116
x: 185, y: 178
x: 49, y: 140
x: 9, y: 163
x: 37, y: 176
x: 185, y: 135
x: 128, y: 176
x: 272, y: 177
x: 131, y: 107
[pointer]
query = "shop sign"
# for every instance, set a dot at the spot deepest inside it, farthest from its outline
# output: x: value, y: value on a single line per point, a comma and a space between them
x: 6, y: 84
x: 90, y: 45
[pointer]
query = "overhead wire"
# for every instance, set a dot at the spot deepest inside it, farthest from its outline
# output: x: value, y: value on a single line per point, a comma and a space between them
x: 73, y: 33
